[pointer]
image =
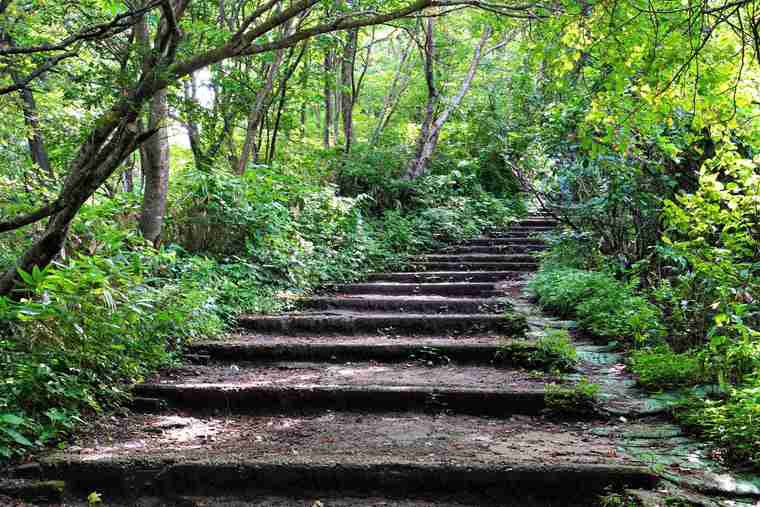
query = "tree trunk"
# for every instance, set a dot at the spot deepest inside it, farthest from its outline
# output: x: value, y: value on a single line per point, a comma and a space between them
x: 156, y: 170
x: 154, y: 154
x: 432, y: 125
x: 348, y: 87
x: 258, y: 111
x: 398, y: 86
x: 37, y: 149
x: 328, y: 99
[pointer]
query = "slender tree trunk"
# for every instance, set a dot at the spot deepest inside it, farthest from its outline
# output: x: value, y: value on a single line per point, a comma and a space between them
x: 36, y: 143
x: 282, y: 92
x: 328, y: 99
x: 348, y: 87
x: 156, y: 170
x: 37, y: 149
x: 432, y: 125
x: 398, y: 86
x: 258, y: 112
x: 155, y: 155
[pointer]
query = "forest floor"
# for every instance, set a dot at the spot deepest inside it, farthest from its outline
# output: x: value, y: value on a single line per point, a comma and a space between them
x: 388, y: 393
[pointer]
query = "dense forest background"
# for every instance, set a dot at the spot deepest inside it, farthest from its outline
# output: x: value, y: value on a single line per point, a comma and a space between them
x: 167, y: 165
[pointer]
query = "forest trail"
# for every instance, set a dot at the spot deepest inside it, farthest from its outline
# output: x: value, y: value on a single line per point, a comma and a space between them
x: 378, y: 393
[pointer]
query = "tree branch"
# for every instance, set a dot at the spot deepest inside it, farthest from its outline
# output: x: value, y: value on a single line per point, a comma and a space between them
x: 30, y: 218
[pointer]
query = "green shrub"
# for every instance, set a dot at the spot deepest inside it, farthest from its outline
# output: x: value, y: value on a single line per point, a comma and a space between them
x: 553, y: 352
x: 661, y: 368
x: 603, y: 305
x: 730, y: 424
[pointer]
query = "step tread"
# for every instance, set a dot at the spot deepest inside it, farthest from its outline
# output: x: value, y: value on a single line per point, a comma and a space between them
x: 337, y: 315
x: 330, y: 439
x: 308, y: 375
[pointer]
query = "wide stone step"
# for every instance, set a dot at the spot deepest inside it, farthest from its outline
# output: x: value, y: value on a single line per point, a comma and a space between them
x: 445, y: 276
x: 526, y: 228
x: 492, y: 249
x: 412, y: 304
x: 459, y: 258
x: 538, y: 222
x: 518, y: 234
x: 489, y: 241
x: 418, y: 385
x: 524, y: 461
x: 344, y: 322
x: 331, y: 349
x: 474, y: 266
x: 378, y: 398
x: 439, y: 289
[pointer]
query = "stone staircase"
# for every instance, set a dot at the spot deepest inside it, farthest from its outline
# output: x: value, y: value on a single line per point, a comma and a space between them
x: 377, y: 393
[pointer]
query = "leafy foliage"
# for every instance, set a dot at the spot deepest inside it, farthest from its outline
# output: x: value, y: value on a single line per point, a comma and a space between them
x: 552, y: 352
x: 604, y: 306
x: 660, y: 368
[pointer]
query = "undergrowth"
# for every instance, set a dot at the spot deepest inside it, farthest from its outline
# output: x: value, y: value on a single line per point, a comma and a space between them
x: 553, y: 352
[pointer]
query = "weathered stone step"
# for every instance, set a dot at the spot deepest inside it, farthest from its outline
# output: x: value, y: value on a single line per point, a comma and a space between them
x: 493, y: 249
x: 488, y: 241
x: 438, y: 289
x: 445, y: 276
x: 538, y: 222
x: 412, y: 304
x: 520, y: 236
x: 340, y: 349
x: 335, y: 499
x: 474, y: 266
x: 345, y: 322
x: 395, y: 453
x: 526, y: 228
x: 426, y: 383
x: 475, y: 258
x: 378, y: 398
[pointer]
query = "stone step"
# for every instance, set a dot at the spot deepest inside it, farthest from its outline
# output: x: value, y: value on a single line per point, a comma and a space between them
x: 445, y: 276
x: 331, y: 349
x: 526, y: 228
x: 492, y: 249
x: 439, y: 289
x: 525, y: 461
x: 420, y: 385
x: 350, y: 323
x: 474, y: 266
x: 364, y: 399
x: 517, y: 234
x: 460, y: 258
x: 334, y: 499
x: 538, y: 222
x: 489, y: 241
x: 412, y: 304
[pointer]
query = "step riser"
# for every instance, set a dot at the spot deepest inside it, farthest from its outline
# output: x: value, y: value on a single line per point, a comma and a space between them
x: 553, y: 483
x: 475, y: 258
x: 463, y: 289
x: 474, y: 266
x: 411, y: 306
x: 340, y: 353
x: 464, y: 276
x: 434, y: 324
x: 493, y: 249
x: 497, y: 242
x: 272, y: 400
x: 538, y: 222
x: 517, y: 236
